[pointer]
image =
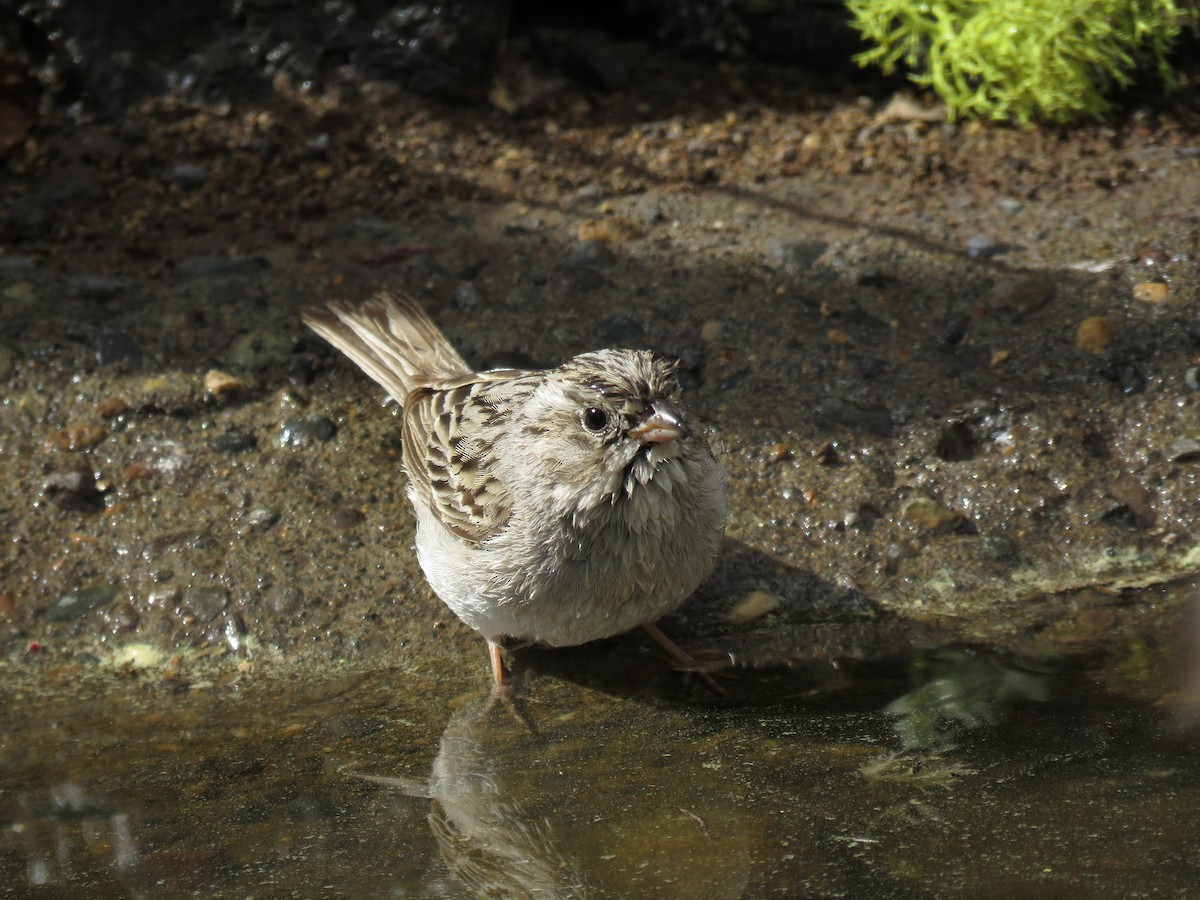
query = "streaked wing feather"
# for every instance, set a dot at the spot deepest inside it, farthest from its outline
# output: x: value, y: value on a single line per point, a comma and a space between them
x: 449, y: 462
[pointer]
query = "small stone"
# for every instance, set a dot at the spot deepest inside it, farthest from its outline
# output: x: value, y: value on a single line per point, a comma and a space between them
x: 754, y: 605
x: 1021, y: 295
x: 1184, y: 448
x: 982, y: 246
x: 592, y: 254
x: 710, y: 331
x: 112, y: 406
x: 259, y: 350
x: 346, y: 517
x: 189, y: 175
x: 137, y: 471
x: 74, y: 604
x: 75, y: 437
x: 1152, y: 292
x: 860, y: 415
x: 258, y: 520
x: 999, y: 547
x: 222, y: 385
x: 609, y: 230
x: 114, y: 347
x: 620, y: 329
x: 75, y: 490
x: 305, y: 432
x: 1009, y: 204
x: 1094, y: 334
x: 206, y: 602
x: 234, y: 441
x: 467, y: 296
x: 123, y: 618
x: 97, y: 287
x: 929, y: 515
x: 283, y: 599
x: 796, y: 257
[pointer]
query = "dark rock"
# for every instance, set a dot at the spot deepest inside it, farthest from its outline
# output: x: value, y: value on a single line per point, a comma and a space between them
x: 115, y: 347
x: 796, y: 258
x: 74, y: 604
x: 620, y: 329
x: 189, y: 175
x: 305, y: 432
x: 235, y: 441
x: 591, y: 57
x: 97, y: 287
x: 858, y: 415
x: 592, y: 254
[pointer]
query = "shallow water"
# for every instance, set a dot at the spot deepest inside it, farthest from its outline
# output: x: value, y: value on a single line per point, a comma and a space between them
x: 961, y: 772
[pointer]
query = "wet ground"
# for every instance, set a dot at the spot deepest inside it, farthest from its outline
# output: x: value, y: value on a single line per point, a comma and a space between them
x: 952, y: 372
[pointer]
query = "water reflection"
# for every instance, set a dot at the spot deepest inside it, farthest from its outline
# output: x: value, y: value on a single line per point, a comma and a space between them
x: 988, y: 770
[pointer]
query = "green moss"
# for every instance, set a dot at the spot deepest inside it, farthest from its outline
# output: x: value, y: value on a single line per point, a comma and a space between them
x: 1047, y: 60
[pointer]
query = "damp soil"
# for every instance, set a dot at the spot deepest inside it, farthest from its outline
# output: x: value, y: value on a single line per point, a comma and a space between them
x: 950, y: 368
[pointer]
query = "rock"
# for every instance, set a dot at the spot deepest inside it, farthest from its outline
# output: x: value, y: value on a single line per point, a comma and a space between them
x: 467, y: 296
x: 929, y: 515
x: 609, y: 230
x: 1152, y: 292
x: 1094, y: 334
x: 222, y: 385
x: 982, y: 246
x: 620, y: 329
x: 1009, y: 204
x: 234, y: 441
x: 1021, y: 295
x: 74, y: 604
x: 592, y: 254
x: 796, y: 257
x: 259, y: 350
x: 305, y: 432
x: 873, y: 418
x: 754, y: 605
x: 77, y: 436
x: 206, y: 602
x: 97, y: 287
x: 189, y: 175
x: 257, y: 520
x: 76, y: 490
x: 115, y: 347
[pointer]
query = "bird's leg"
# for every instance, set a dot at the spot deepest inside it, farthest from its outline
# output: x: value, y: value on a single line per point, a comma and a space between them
x: 503, y: 693
x: 681, y: 657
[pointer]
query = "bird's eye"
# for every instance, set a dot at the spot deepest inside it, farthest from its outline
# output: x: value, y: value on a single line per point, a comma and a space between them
x: 594, y: 419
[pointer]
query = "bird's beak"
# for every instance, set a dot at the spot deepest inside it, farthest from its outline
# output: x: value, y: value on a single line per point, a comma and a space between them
x: 661, y: 424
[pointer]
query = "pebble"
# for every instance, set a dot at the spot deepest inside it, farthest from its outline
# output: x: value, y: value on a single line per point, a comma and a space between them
x: 592, y: 254
x: 283, y: 599
x: 114, y: 347
x: 305, y: 432
x: 257, y: 520
x: 999, y: 547
x: 73, y: 490
x: 1009, y: 204
x: 609, y: 230
x: 796, y: 257
x: 929, y: 515
x: 873, y: 418
x: 982, y: 246
x: 467, y: 296
x: 259, y: 350
x: 346, y: 517
x: 189, y: 175
x: 219, y: 266
x: 75, y: 437
x: 206, y: 602
x: 1021, y: 295
x: 222, y: 385
x: 97, y: 287
x: 1094, y: 334
x: 74, y: 604
x: 234, y: 441
x: 754, y: 605
x: 710, y: 331
x: 1191, y: 377
x: 619, y: 329
x: 1184, y: 448
x: 1152, y: 292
